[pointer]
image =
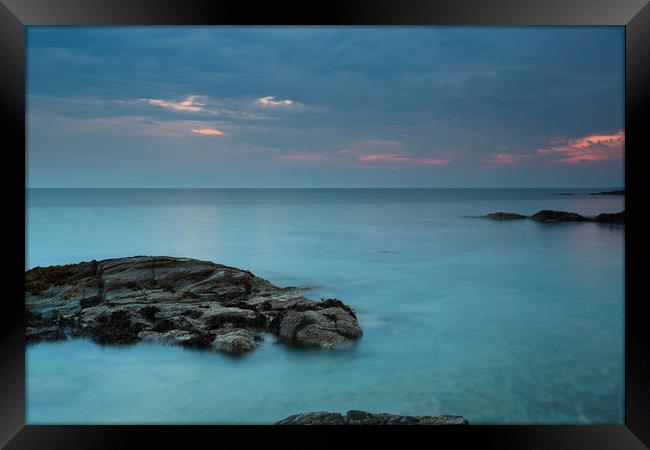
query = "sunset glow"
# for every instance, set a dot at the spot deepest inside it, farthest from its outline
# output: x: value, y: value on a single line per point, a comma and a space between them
x: 596, y: 147
x: 326, y: 106
x: 208, y: 132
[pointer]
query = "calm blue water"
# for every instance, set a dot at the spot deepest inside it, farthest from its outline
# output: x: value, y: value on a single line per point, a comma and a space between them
x: 502, y: 322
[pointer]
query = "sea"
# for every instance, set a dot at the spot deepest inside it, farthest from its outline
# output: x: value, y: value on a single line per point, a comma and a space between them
x: 503, y: 322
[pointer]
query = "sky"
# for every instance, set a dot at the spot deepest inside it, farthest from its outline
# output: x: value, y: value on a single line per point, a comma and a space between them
x: 275, y: 107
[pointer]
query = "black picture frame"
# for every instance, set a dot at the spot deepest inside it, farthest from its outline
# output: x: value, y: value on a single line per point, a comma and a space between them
x: 15, y: 15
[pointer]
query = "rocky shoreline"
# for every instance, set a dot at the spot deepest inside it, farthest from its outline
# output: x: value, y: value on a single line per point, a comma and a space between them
x: 178, y: 301
x: 549, y: 216
x: 365, y: 418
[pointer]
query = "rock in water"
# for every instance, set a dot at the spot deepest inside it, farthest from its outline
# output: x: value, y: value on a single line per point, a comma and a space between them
x: 549, y: 216
x: 618, y: 192
x: 505, y: 216
x: 314, y: 418
x: 366, y: 418
x: 610, y: 218
x: 180, y: 301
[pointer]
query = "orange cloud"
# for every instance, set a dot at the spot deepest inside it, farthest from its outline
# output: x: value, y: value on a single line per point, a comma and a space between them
x: 595, y: 147
x: 207, y: 132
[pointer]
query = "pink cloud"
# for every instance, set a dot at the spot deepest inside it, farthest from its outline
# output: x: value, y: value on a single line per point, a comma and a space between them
x: 595, y: 147
x: 208, y: 132
x: 402, y: 158
x: 386, y: 151
x: 372, y: 157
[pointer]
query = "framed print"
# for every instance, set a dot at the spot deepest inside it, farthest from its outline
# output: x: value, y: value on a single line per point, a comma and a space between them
x: 286, y: 220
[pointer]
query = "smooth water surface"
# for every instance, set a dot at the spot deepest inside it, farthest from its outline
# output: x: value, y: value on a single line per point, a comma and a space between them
x: 502, y: 322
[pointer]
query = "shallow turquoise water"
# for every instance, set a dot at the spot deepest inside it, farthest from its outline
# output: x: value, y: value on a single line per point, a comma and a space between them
x: 502, y: 322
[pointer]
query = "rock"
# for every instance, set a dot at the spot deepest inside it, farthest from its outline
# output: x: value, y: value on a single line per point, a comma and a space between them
x: 178, y: 301
x: 45, y: 333
x: 549, y: 216
x: 505, y: 216
x: 328, y: 324
x: 235, y: 342
x: 619, y: 192
x: 610, y: 218
x: 365, y: 418
x: 314, y: 418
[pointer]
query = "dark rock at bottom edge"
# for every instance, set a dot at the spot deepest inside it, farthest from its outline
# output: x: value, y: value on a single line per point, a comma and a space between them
x: 355, y: 417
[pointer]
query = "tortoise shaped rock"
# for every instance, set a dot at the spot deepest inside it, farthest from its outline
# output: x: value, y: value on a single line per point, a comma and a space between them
x: 179, y: 301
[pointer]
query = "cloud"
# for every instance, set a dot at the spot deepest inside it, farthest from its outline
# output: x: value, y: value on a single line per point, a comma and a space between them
x: 432, y: 161
x: 594, y: 147
x: 503, y: 158
x: 208, y: 132
x: 134, y: 125
x: 300, y: 157
x: 386, y: 151
x: 190, y: 104
x: 381, y: 143
x: 272, y: 101
x: 372, y: 157
x: 402, y: 158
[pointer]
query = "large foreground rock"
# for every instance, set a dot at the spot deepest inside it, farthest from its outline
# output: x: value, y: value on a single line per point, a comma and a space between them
x: 366, y: 418
x: 179, y: 301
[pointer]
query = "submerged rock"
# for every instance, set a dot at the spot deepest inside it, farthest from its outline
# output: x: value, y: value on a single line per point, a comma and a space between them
x: 505, y: 216
x: 610, y: 218
x: 365, y: 418
x: 178, y: 301
x: 549, y: 216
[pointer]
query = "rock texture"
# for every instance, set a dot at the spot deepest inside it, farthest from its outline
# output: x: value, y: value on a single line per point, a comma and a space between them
x: 505, y: 216
x: 366, y: 418
x: 178, y: 301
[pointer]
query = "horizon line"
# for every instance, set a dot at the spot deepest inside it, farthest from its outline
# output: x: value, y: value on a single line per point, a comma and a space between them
x: 319, y: 188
